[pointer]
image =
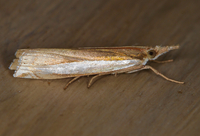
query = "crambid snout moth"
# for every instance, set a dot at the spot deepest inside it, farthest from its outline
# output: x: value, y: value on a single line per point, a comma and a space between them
x: 65, y: 63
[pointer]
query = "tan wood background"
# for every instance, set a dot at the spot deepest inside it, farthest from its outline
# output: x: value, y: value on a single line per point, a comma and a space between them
x: 138, y: 104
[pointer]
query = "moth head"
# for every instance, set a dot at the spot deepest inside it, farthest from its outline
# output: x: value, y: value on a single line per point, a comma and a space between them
x: 154, y: 53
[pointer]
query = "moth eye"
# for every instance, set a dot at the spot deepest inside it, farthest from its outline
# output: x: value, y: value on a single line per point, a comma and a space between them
x: 152, y: 53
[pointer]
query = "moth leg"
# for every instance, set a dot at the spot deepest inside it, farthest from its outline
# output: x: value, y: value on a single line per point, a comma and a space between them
x: 165, y: 61
x: 75, y: 78
x: 158, y: 73
x: 91, y: 80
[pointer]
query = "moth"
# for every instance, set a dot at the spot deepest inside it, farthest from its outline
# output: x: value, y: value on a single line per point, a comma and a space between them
x: 97, y: 61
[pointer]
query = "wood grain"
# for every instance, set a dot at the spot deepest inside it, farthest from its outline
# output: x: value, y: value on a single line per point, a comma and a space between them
x: 130, y: 104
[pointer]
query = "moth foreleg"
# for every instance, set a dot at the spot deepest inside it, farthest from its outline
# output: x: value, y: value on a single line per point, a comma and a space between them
x: 165, y: 61
x: 94, y: 77
x: 158, y: 73
x: 75, y: 78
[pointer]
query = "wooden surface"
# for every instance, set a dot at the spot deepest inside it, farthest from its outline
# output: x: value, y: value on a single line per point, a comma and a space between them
x: 137, y: 104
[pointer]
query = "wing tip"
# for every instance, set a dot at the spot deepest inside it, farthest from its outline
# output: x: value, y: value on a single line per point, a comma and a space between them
x: 14, y: 64
x: 19, y: 52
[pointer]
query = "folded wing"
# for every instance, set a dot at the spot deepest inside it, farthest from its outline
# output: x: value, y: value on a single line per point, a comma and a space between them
x: 62, y: 63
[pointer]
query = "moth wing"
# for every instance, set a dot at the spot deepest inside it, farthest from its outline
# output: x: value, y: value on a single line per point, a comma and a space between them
x: 62, y: 63
x: 28, y: 63
x: 100, y: 53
